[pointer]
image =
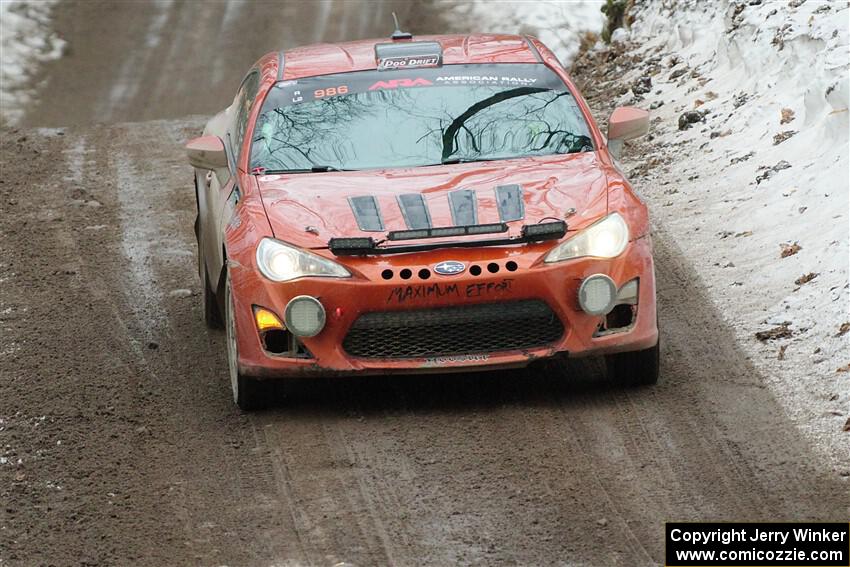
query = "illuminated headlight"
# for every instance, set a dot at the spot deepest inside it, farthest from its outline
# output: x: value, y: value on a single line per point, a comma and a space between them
x: 604, y: 239
x: 596, y: 294
x: 304, y: 316
x: 280, y: 262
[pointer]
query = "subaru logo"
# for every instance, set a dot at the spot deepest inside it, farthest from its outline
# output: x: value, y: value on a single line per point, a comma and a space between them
x: 449, y: 268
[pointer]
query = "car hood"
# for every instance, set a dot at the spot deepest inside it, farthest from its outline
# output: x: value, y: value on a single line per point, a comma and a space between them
x: 308, y: 209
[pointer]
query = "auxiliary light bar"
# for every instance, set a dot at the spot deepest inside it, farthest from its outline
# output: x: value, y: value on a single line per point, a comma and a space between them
x: 358, y: 246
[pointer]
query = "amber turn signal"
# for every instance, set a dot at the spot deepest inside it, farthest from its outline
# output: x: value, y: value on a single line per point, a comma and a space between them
x: 266, y: 320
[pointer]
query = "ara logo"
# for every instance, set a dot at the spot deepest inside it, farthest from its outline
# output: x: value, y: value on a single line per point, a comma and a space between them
x: 396, y: 83
x: 449, y: 267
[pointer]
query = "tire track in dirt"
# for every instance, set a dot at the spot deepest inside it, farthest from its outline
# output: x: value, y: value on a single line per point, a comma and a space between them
x: 155, y: 209
x: 73, y: 477
x: 331, y: 513
x: 146, y: 396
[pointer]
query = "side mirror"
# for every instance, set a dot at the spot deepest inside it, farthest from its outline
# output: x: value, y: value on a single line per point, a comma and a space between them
x: 206, y: 152
x: 626, y: 123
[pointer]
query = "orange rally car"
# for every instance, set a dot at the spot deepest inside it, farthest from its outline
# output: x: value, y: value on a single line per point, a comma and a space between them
x: 430, y: 204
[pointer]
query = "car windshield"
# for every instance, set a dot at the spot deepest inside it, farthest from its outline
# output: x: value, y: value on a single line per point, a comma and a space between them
x: 417, y: 117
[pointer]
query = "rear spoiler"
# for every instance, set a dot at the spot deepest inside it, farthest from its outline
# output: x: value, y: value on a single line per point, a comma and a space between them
x: 360, y: 246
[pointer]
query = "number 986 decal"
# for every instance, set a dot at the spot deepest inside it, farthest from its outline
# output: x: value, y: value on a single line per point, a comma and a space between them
x: 330, y: 91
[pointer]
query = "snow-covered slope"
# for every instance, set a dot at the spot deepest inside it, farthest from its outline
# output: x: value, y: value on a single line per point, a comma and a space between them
x: 756, y: 189
x: 25, y: 41
x: 559, y: 24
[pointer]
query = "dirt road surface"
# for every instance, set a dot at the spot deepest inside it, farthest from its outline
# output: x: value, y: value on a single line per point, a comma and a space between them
x: 120, y: 443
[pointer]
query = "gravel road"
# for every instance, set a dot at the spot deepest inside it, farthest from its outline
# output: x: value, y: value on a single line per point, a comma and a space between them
x: 120, y: 443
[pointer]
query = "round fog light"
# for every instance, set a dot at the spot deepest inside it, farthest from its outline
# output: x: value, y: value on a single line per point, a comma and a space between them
x: 597, y: 294
x: 304, y: 316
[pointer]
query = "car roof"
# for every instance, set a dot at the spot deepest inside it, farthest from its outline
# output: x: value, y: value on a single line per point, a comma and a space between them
x: 329, y: 58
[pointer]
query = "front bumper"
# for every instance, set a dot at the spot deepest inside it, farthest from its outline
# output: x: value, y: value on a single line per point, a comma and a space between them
x: 345, y: 300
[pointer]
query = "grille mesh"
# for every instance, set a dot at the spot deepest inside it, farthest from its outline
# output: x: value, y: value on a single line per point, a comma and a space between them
x: 466, y: 329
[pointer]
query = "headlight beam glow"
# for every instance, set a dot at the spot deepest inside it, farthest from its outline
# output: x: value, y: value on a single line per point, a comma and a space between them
x: 281, y: 262
x: 606, y: 238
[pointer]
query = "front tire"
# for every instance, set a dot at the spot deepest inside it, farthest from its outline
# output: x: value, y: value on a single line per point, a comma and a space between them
x: 637, y: 368
x: 246, y: 390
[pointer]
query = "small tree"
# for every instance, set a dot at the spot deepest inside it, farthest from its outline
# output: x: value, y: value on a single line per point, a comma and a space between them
x: 615, y: 12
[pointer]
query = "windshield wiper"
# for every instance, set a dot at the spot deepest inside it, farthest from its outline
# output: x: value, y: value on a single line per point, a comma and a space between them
x: 314, y: 169
x: 451, y: 160
x: 456, y: 159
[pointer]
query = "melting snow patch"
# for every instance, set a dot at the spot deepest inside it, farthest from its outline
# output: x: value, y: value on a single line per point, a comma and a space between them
x: 25, y: 41
x: 558, y: 24
x: 180, y: 293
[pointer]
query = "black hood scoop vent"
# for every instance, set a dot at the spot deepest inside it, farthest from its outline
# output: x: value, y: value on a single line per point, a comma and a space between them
x: 367, y: 213
x: 463, y: 204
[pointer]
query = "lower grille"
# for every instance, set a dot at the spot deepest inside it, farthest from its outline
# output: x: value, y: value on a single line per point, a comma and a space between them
x: 465, y: 329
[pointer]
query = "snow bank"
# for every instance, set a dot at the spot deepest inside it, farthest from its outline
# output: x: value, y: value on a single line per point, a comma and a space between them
x: 25, y: 40
x: 558, y: 24
x: 763, y: 167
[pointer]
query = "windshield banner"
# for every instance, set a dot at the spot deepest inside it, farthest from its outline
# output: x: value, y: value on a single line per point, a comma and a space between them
x: 299, y: 91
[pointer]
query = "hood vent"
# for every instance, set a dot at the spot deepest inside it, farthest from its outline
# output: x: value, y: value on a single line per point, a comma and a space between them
x: 414, y: 210
x: 463, y: 204
x: 367, y: 213
x: 464, y: 207
x: 510, y: 203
